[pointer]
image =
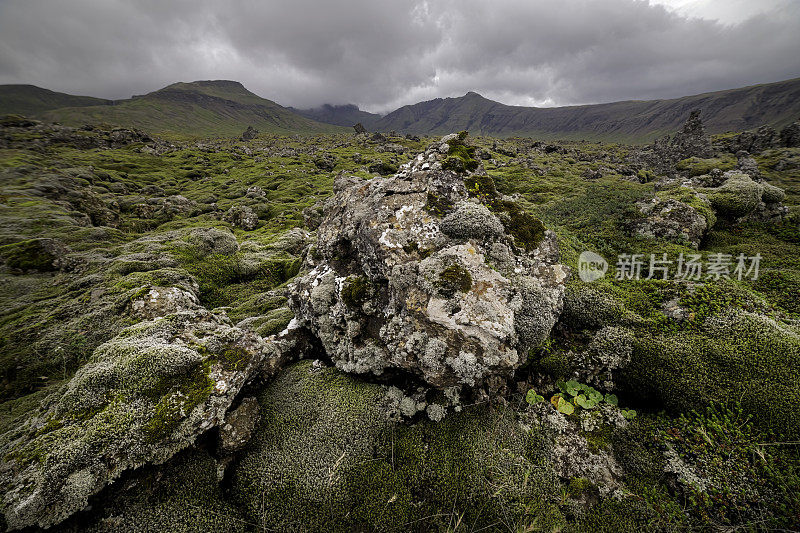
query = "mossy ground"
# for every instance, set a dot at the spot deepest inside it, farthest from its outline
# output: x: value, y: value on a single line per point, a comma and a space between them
x: 52, y: 321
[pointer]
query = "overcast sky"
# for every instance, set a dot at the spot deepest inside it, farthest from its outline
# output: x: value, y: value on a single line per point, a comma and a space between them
x: 384, y: 54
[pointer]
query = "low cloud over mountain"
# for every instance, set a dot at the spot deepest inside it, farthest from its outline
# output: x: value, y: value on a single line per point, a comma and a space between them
x: 381, y: 55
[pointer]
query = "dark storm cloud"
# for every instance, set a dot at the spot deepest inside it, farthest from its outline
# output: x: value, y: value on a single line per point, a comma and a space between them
x: 382, y: 54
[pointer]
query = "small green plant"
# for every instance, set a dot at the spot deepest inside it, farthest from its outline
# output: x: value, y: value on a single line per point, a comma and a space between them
x: 533, y: 397
x: 562, y: 405
x: 575, y: 394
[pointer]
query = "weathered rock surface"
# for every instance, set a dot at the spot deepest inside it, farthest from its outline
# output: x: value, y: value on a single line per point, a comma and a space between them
x: 238, y: 427
x: 790, y: 135
x: 242, y: 216
x: 670, y: 219
x: 143, y: 396
x: 754, y: 142
x: 431, y: 272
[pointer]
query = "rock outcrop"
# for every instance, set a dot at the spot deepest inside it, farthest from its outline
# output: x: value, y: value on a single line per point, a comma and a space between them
x: 249, y: 134
x: 671, y: 219
x: 740, y: 197
x: 430, y: 271
x: 144, y: 395
x: 790, y: 135
x: 691, y: 141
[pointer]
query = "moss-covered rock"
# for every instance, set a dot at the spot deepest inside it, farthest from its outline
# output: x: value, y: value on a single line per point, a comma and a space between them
x: 737, y: 197
x: 734, y: 355
x: 143, y: 396
x: 42, y: 255
x: 181, y: 495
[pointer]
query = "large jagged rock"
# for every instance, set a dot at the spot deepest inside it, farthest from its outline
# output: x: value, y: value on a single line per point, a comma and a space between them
x: 142, y: 397
x: 754, y: 141
x: 691, y: 141
x: 431, y: 272
x: 790, y: 135
x: 249, y: 134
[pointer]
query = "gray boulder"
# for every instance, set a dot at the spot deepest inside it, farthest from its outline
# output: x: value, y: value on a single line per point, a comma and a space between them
x: 672, y: 219
x: 430, y: 272
x: 242, y: 216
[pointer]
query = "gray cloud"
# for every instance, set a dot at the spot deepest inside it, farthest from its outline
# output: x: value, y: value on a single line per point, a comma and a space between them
x: 383, y: 54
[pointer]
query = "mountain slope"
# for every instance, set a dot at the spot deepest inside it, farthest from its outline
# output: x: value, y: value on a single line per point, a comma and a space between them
x: 776, y: 104
x: 200, y: 108
x: 30, y: 100
x: 340, y: 115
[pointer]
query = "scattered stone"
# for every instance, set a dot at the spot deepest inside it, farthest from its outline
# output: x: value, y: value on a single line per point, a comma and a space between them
x: 236, y: 431
x: 242, y: 216
x: 249, y: 134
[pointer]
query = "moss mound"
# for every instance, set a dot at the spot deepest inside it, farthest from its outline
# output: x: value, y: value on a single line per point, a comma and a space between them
x: 327, y: 458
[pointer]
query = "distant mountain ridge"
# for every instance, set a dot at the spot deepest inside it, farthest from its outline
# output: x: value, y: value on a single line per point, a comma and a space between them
x: 200, y: 108
x: 226, y: 108
x: 340, y: 115
x: 31, y: 100
x: 776, y: 104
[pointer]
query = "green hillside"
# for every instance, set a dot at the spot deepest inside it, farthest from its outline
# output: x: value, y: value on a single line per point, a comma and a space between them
x: 31, y: 100
x: 201, y: 108
x: 775, y: 104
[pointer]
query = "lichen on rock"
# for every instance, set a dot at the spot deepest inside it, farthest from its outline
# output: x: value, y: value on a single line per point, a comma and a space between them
x: 452, y: 292
x: 142, y: 397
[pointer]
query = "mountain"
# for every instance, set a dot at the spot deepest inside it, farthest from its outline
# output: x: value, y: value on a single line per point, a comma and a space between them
x: 340, y: 115
x: 200, y: 108
x: 212, y: 108
x: 30, y: 100
x: 776, y: 104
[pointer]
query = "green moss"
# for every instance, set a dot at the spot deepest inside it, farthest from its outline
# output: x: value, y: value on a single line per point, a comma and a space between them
x: 737, y: 197
x: 599, y: 440
x: 454, y: 278
x: 28, y: 255
x: 183, y: 494
x: 578, y: 486
x: 460, y: 156
x: 736, y: 355
x: 696, y: 166
x: 481, y: 186
x: 555, y: 364
x: 527, y: 230
x: 326, y: 457
x: 355, y: 291
x: 172, y: 407
x: 742, y: 481
x: 437, y: 205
